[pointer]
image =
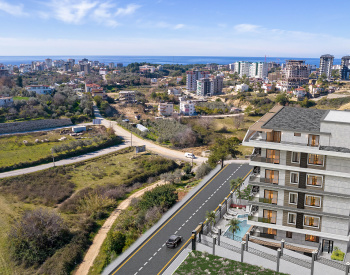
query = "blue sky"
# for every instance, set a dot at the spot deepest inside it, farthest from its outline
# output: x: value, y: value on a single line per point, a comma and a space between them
x: 296, y: 28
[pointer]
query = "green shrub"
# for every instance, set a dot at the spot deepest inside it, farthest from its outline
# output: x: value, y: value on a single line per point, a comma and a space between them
x: 37, y: 236
x: 164, y: 196
x: 203, y: 170
x: 337, y: 254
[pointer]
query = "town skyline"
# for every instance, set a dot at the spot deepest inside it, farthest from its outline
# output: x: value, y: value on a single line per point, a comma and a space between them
x: 87, y: 27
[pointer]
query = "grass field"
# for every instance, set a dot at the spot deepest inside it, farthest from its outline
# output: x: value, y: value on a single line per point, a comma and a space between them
x: 21, y: 98
x: 41, y: 189
x: 14, y: 150
x: 204, y: 263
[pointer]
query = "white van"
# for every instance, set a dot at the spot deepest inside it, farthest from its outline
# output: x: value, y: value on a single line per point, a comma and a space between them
x: 189, y: 155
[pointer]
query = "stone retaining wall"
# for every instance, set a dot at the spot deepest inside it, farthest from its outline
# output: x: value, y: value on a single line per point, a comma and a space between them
x: 32, y: 125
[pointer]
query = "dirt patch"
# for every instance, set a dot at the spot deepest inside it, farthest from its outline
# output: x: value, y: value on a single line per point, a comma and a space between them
x: 181, y: 194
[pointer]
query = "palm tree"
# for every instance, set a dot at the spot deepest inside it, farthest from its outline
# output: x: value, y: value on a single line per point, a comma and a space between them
x: 234, y: 226
x: 210, y: 216
x: 235, y: 185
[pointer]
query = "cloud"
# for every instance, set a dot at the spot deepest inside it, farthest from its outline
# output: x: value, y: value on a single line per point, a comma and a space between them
x: 129, y: 9
x: 179, y: 26
x: 242, y: 28
x: 81, y: 11
x: 16, y: 10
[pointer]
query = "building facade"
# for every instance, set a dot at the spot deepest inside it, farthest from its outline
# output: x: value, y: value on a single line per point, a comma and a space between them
x: 326, y: 64
x: 187, y: 108
x: 258, y: 70
x: 301, y: 177
x: 345, y: 68
x: 295, y: 74
x: 39, y: 89
x: 192, y: 77
x: 165, y: 109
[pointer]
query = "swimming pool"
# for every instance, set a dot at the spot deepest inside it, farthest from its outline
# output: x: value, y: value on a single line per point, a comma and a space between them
x: 238, y: 234
x: 242, y: 216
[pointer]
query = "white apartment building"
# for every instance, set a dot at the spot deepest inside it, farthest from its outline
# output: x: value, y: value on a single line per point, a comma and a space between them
x: 187, y: 108
x: 242, y: 88
x: 326, y: 64
x: 301, y: 177
x: 192, y: 77
x: 258, y: 70
x: 251, y: 69
x: 242, y: 68
x: 165, y: 109
x: 39, y: 89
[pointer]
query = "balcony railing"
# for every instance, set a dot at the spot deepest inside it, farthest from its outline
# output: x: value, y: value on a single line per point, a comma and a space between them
x: 260, y: 219
x: 262, y: 180
x: 259, y: 158
x: 264, y: 200
x: 258, y: 137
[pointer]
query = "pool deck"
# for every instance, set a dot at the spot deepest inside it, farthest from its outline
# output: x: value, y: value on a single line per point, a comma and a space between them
x: 223, y: 223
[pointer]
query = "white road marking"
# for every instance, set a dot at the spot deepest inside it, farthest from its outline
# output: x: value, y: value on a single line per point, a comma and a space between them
x: 175, y: 232
x: 140, y: 268
x: 135, y: 273
x: 163, y: 244
x: 150, y: 259
x: 183, y: 224
x: 145, y: 263
x: 159, y: 249
x: 155, y: 254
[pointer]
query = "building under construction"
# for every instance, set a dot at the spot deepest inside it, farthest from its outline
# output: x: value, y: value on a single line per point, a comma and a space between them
x: 345, y: 68
x: 295, y: 74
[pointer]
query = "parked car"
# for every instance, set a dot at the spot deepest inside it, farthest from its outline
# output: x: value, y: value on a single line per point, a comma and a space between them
x: 173, y: 241
x: 189, y: 155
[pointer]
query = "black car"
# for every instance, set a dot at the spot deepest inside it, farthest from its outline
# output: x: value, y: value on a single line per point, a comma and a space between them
x: 173, y: 241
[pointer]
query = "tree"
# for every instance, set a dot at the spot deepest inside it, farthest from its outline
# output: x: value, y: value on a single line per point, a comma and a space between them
x: 238, y: 121
x: 210, y: 217
x: 234, y: 226
x: 222, y: 148
x: 19, y: 81
x: 282, y: 99
x: 235, y: 185
x: 203, y: 170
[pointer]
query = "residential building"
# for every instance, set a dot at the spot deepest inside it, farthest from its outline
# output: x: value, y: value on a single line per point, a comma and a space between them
x: 203, y: 87
x: 99, y: 92
x: 103, y: 71
x: 165, y: 109
x: 175, y: 91
x: 127, y: 96
x: 267, y: 87
x: 147, y: 69
x: 242, y: 68
x: 90, y: 87
x: 295, y: 74
x: 187, y: 108
x: 242, y: 88
x: 345, y: 68
x: 6, y: 101
x: 192, y: 77
x: 275, y: 76
x: 326, y: 64
x: 3, y: 70
x: 300, y: 93
x: 111, y: 65
x: 301, y: 177
x: 119, y: 65
x: 231, y: 66
x: 258, y: 70
x: 160, y: 67
x: 39, y: 89
x: 216, y: 84
x: 48, y: 63
x: 85, y: 67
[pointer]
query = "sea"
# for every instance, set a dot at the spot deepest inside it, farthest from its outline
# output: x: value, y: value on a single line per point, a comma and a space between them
x: 183, y: 60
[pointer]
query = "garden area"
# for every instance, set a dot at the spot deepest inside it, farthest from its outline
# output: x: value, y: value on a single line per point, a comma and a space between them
x: 205, y: 263
x: 73, y: 201
x: 24, y: 150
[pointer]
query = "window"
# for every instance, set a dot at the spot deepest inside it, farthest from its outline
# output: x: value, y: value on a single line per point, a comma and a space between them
x: 273, y: 156
x: 295, y: 157
x: 269, y: 216
x: 270, y: 196
x: 315, y: 159
x: 292, y: 218
x: 271, y: 176
x: 272, y: 231
x: 311, y: 238
x: 297, y: 134
x: 314, y: 180
x: 311, y: 221
x: 289, y: 234
x: 314, y: 140
x: 274, y: 136
x: 294, y: 177
x: 293, y: 198
x: 312, y: 201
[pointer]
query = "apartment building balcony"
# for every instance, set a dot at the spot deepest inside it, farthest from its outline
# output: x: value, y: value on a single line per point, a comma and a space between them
x: 259, y: 158
x: 262, y: 219
x: 258, y: 179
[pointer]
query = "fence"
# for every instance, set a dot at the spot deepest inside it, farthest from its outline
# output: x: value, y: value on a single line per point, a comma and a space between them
x: 337, y: 265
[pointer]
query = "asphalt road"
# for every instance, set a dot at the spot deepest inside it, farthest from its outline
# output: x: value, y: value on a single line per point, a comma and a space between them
x: 152, y: 257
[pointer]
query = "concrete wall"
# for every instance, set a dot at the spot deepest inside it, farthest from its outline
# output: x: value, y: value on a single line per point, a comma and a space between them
x: 335, y: 226
x: 337, y: 185
x: 336, y: 205
x: 339, y: 131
